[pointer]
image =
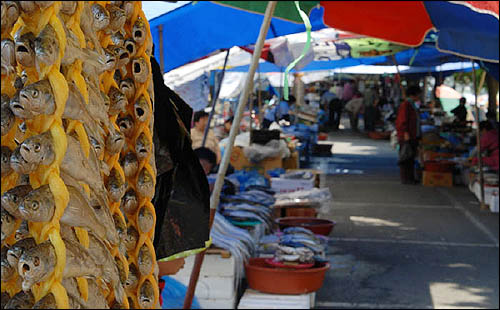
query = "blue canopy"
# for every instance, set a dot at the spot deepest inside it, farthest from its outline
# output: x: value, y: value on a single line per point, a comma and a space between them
x: 198, y: 29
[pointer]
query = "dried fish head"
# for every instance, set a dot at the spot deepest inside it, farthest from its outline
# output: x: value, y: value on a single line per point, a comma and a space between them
x: 38, y: 205
x: 13, y: 197
x: 25, y: 48
x: 47, y: 46
x: 100, y: 17
x: 140, y: 70
x: 19, y: 164
x: 38, y: 98
x: 36, y: 264
x: 139, y: 31
x: 127, y: 86
x: 39, y: 149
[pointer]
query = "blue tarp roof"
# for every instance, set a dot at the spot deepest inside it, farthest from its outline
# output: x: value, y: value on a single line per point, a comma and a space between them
x: 198, y: 29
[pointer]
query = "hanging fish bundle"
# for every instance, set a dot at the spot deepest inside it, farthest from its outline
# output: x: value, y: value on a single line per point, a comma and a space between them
x: 78, y: 166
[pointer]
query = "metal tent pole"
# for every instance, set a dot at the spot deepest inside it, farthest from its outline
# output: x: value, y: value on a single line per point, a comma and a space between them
x: 215, y: 197
x: 214, y: 101
x: 478, y: 134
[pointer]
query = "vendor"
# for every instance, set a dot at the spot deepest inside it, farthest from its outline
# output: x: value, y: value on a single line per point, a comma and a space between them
x: 279, y: 112
x: 460, y: 111
x: 200, y: 120
x: 489, y: 144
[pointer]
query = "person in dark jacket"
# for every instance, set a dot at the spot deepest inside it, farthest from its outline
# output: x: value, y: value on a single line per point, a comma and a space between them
x: 408, y: 131
x: 460, y: 112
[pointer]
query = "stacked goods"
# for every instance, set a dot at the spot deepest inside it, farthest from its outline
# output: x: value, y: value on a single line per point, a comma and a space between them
x: 78, y: 168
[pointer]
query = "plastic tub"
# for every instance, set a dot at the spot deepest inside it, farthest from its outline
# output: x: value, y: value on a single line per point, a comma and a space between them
x: 266, y: 279
x: 317, y: 226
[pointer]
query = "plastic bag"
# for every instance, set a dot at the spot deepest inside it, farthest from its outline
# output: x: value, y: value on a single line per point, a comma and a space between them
x: 173, y: 294
x: 319, y: 198
x: 256, y: 152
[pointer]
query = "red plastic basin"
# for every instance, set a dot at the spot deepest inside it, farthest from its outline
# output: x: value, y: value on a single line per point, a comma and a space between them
x: 266, y: 279
x: 317, y: 226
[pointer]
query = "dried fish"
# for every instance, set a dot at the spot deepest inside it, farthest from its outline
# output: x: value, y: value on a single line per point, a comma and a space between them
x: 8, y: 56
x: 47, y: 46
x: 140, y: 70
x: 6, y: 164
x: 117, y: 18
x: 130, y: 164
x: 127, y: 86
x: 142, y: 147
x: 7, y: 117
x: 13, y: 197
x: 145, y: 260
x: 25, y: 48
x: 118, y: 101
x: 145, y: 220
x: 22, y: 300
x: 139, y: 31
x: 146, y: 295
x: 115, y: 185
x: 145, y: 184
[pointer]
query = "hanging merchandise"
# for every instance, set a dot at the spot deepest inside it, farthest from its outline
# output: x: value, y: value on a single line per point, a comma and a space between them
x: 195, y: 92
x: 77, y: 92
x: 182, y: 200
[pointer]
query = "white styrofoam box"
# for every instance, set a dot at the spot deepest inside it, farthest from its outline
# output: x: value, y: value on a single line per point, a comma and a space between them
x: 493, y: 202
x: 213, y: 265
x: 253, y: 299
x: 217, y: 276
x: 489, y: 191
x: 219, y: 303
x: 211, y: 287
x: 280, y: 185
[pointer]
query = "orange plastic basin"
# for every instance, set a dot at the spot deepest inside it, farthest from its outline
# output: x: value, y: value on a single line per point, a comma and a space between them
x: 272, y: 280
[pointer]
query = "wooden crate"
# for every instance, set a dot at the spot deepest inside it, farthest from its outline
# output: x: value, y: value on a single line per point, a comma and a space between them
x: 437, y: 179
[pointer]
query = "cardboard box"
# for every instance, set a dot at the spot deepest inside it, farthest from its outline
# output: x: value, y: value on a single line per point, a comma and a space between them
x: 239, y: 161
x: 281, y: 186
x: 292, y: 162
x: 437, y: 179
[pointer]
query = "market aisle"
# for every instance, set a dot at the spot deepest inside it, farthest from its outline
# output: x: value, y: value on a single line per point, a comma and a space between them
x: 402, y: 246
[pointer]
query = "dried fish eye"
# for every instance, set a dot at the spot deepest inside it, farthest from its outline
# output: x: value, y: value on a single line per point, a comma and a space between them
x: 35, y: 205
x: 37, y: 147
x: 14, y: 198
x: 36, y: 262
x: 34, y: 93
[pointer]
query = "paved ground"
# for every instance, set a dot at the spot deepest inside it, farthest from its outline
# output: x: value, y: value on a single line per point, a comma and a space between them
x: 403, y: 246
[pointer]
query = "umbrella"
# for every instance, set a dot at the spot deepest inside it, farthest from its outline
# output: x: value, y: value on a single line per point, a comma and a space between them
x: 465, y: 28
x: 444, y: 91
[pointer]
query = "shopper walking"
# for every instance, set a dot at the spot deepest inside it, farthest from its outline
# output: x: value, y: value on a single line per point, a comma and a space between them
x: 408, y: 131
x: 354, y: 107
x: 370, y: 97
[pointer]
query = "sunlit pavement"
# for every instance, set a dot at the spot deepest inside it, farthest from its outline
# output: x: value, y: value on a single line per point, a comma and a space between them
x: 402, y: 246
